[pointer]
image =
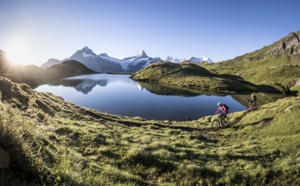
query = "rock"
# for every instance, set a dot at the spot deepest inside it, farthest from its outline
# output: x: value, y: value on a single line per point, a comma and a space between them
x: 298, y: 83
x: 289, y: 109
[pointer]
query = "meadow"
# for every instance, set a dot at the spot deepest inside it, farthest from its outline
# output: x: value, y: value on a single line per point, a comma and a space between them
x: 48, y: 141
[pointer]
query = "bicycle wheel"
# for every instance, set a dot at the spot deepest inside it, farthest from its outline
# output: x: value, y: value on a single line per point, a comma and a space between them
x: 215, y: 124
x: 226, y: 122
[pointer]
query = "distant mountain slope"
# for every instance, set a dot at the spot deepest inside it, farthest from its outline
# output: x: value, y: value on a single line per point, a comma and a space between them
x: 67, y: 69
x: 33, y: 75
x: 191, y: 75
x: 51, y: 62
x: 276, y: 65
x: 4, y: 63
x: 97, y: 63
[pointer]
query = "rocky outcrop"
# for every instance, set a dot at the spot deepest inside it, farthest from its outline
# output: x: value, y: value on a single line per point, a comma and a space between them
x: 289, y: 45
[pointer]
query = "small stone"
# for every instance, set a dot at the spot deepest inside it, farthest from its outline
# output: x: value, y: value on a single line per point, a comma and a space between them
x: 289, y: 109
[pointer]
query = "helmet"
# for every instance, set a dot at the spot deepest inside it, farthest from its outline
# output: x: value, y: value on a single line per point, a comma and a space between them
x: 219, y: 103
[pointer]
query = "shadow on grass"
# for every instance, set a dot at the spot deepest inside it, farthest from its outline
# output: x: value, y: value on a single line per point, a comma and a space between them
x: 204, y: 138
x: 188, y: 129
x: 266, y: 122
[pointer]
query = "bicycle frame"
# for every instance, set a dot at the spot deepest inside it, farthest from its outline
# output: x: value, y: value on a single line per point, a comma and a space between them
x: 218, y: 122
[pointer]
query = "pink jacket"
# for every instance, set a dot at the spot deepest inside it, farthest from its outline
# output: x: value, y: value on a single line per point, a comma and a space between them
x: 221, y: 108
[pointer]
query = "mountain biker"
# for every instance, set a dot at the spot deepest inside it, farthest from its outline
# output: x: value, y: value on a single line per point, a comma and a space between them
x: 223, y: 108
x: 251, y: 102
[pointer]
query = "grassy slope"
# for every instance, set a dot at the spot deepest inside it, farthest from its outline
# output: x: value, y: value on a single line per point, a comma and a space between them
x: 192, y: 76
x: 275, y: 65
x: 276, y: 70
x: 54, y: 142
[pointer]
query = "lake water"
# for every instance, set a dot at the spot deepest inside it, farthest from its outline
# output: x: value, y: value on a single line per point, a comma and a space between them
x: 118, y: 94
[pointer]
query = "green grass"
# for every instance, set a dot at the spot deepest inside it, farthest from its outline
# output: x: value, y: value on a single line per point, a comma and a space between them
x: 279, y: 71
x: 194, y: 77
x: 53, y: 142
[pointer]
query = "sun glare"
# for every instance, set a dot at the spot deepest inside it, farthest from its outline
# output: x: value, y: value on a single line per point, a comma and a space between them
x: 19, y: 52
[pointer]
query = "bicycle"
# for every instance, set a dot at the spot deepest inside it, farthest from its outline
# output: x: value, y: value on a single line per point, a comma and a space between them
x: 218, y: 122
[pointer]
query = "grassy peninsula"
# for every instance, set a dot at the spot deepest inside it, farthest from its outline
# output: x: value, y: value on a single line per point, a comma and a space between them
x: 194, y: 76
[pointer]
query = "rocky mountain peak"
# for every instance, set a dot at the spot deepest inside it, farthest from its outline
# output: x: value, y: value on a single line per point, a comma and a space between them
x: 87, y: 50
x: 141, y: 54
x: 289, y: 45
x: 103, y: 55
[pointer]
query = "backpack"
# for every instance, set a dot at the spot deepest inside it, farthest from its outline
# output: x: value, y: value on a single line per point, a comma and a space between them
x: 226, y: 106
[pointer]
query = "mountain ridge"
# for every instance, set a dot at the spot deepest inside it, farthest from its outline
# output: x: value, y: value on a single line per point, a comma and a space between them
x: 276, y: 65
x: 105, y: 63
x: 289, y: 45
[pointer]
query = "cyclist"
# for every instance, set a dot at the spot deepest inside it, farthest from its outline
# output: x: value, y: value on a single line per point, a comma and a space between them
x: 223, y: 108
x: 251, y: 101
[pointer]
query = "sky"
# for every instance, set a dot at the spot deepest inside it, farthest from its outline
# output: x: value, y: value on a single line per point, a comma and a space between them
x: 32, y: 31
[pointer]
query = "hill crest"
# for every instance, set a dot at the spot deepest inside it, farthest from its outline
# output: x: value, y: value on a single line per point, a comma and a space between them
x: 288, y: 45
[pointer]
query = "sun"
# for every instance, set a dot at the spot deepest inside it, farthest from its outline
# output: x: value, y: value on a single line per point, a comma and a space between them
x: 19, y: 52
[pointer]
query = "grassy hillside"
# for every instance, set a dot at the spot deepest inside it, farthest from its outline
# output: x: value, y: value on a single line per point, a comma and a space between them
x: 276, y: 65
x: 193, y: 76
x: 277, y: 71
x: 47, y: 141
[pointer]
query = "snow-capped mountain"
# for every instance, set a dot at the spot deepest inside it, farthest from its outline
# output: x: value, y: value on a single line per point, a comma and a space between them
x: 172, y: 59
x: 138, y: 61
x: 200, y: 59
x: 191, y: 59
x: 98, y: 63
x: 105, y: 63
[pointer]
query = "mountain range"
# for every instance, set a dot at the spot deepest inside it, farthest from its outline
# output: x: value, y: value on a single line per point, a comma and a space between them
x: 105, y: 63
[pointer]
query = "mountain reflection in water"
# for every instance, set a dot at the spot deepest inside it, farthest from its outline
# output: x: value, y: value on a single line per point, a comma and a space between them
x: 86, y: 83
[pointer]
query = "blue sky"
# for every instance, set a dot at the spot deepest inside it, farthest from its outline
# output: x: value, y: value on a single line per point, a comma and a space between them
x: 35, y: 30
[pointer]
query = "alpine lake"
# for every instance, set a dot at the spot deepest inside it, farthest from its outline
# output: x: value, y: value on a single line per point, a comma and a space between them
x: 118, y: 94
